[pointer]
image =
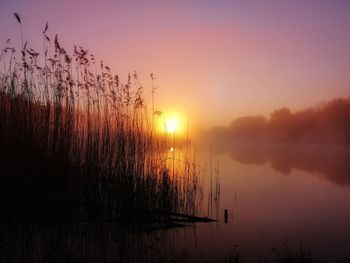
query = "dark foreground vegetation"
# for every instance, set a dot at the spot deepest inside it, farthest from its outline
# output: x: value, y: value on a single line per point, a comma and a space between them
x: 286, y: 254
x: 101, y: 243
x: 328, y: 123
x: 77, y: 144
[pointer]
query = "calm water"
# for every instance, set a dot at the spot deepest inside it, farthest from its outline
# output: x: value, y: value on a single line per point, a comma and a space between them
x: 278, y: 196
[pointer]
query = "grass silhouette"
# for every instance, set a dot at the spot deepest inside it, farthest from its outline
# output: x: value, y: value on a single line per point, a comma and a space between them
x: 77, y: 143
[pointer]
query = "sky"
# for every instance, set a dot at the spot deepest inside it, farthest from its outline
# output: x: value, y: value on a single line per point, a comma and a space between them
x: 213, y: 60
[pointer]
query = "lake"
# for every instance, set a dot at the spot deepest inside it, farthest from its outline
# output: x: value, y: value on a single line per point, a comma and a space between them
x: 277, y: 196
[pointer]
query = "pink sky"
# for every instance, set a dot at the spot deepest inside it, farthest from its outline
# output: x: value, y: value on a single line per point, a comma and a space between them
x: 214, y: 60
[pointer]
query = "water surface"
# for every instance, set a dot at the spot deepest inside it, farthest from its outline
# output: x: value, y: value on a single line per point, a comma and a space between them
x: 277, y: 196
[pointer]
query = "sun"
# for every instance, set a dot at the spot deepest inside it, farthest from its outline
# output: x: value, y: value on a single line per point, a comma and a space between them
x: 172, y: 124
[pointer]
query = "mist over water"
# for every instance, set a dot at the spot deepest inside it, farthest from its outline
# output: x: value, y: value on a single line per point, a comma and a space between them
x: 281, y: 195
x: 330, y: 162
x: 326, y: 123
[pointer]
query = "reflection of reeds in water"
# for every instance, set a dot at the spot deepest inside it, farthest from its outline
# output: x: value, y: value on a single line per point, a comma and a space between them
x: 80, y: 243
x: 78, y: 143
x: 187, y: 174
x: 214, y: 186
x: 286, y: 254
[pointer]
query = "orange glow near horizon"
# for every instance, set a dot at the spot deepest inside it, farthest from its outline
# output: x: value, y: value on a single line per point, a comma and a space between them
x: 171, y: 123
x: 215, y: 60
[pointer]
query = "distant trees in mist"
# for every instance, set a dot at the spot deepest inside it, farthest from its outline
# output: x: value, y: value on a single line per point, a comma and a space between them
x: 327, y: 123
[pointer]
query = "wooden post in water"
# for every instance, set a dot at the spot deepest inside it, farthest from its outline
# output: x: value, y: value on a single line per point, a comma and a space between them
x: 226, y: 216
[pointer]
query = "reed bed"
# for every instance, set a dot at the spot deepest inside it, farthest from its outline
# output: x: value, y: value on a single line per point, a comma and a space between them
x: 78, y: 143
